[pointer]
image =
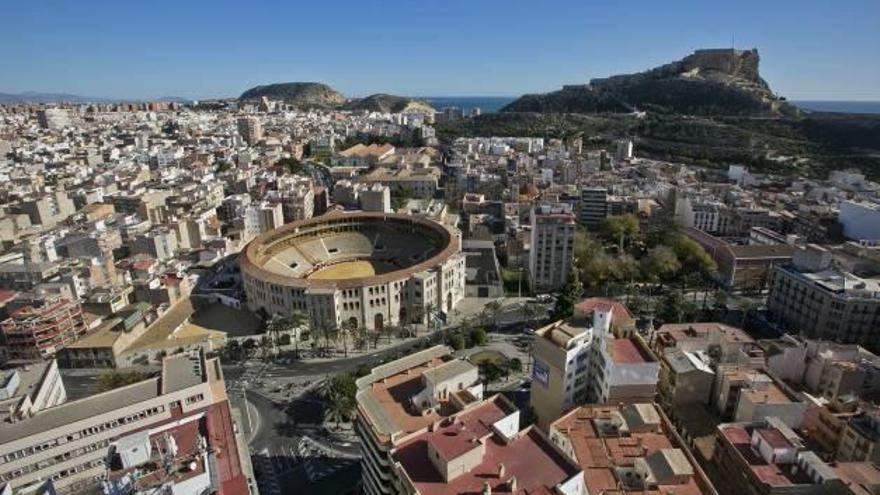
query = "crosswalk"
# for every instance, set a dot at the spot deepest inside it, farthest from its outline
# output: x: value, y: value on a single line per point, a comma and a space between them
x: 322, y: 461
x: 252, y: 375
x: 268, y: 475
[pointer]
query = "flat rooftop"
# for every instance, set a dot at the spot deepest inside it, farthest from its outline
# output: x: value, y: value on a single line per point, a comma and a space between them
x: 178, y: 373
x: 627, y: 351
x: 386, y: 401
x: 683, y: 332
x: 775, y: 475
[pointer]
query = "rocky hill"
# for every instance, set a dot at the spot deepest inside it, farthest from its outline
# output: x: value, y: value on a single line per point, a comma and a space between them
x: 389, y: 104
x: 717, y: 82
x: 301, y: 94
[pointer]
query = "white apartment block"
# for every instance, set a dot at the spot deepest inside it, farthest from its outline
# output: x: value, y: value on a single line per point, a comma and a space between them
x: 71, y: 442
x: 552, y: 246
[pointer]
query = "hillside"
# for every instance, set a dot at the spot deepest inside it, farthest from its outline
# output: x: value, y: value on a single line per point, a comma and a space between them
x: 389, y: 104
x: 300, y: 94
x: 812, y: 145
x: 708, y: 83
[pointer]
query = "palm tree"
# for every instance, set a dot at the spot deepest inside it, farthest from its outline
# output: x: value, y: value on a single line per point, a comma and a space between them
x: 274, y: 326
x: 430, y: 309
x: 746, y: 306
x: 417, y: 315
x: 338, y: 410
x: 298, y: 321
x: 493, y: 309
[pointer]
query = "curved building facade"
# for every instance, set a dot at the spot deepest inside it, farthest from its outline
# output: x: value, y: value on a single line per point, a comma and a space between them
x: 369, y: 269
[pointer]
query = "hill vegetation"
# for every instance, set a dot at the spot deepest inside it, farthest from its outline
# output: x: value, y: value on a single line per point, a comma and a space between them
x: 300, y: 94
x: 389, y: 104
x: 711, y: 108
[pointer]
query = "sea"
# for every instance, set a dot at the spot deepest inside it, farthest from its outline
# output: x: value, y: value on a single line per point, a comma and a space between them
x: 488, y: 104
x: 872, y: 107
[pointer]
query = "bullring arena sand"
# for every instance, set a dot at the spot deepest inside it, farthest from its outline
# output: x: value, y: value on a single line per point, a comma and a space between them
x: 351, y: 269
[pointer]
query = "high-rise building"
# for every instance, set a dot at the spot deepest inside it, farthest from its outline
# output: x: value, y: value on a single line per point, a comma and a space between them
x: 53, y: 118
x: 42, y: 328
x: 560, y: 353
x: 297, y: 197
x: 552, y: 246
x: 593, y: 207
x: 251, y: 129
x: 259, y: 218
x: 404, y: 398
x: 173, y: 433
x: 581, y: 359
x: 624, y: 150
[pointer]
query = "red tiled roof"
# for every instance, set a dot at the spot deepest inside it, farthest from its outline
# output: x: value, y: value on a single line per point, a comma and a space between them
x: 625, y: 351
x: 221, y: 437
x: 620, y: 315
x: 537, y: 466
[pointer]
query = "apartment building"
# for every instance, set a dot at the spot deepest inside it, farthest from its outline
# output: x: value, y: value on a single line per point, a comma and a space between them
x: 820, y: 301
x: 685, y: 378
x: 560, y: 354
x: 860, y: 440
x: 406, y: 397
x: 482, y: 450
x: 172, y: 431
x: 159, y: 243
x: 743, y: 394
x: 629, y: 449
x: 53, y: 118
x: 551, y: 255
x: 826, y: 369
x: 580, y: 359
x: 48, y: 210
x: 766, y: 457
x: 723, y: 344
x: 297, y: 197
x: 376, y: 198
x: 30, y: 388
x: 622, y: 370
x: 250, y: 129
x: 42, y: 328
x: 593, y: 207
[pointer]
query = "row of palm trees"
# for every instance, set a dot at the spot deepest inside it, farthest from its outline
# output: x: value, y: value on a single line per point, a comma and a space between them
x: 350, y: 335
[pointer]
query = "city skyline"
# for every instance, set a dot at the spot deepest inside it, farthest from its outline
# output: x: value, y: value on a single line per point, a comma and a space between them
x: 197, y: 50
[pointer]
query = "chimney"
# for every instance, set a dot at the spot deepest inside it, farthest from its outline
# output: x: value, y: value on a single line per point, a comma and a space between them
x: 500, y: 470
x: 511, y: 485
x: 487, y: 489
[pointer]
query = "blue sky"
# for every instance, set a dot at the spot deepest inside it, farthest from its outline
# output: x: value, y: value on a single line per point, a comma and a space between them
x: 810, y: 49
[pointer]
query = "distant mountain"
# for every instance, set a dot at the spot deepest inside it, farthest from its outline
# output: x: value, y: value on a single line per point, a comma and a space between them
x: 714, y: 82
x: 37, y: 97
x: 301, y: 94
x: 389, y: 104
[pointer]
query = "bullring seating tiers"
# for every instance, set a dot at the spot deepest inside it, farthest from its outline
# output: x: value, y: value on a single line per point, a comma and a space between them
x: 391, y: 248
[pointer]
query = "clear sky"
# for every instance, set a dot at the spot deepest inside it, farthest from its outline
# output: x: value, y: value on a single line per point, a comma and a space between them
x: 810, y: 49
